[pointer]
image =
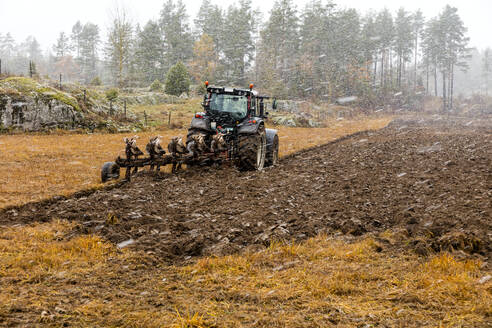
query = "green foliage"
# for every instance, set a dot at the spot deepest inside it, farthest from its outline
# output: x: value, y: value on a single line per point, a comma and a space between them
x: 177, y: 80
x: 112, y: 94
x: 156, y: 86
x: 173, y: 22
x: 149, y: 53
x: 96, y: 81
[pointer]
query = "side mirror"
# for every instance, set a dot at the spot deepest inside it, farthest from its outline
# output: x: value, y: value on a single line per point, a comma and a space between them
x: 274, y: 104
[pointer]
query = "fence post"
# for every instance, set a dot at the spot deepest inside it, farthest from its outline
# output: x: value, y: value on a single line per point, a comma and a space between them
x: 124, y: 104
x: 169, y: 120
x: 61, y: 82
x: 84, y: 94
x: 145, y: 117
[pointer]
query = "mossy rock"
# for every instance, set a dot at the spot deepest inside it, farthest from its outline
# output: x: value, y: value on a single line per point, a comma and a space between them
x: 24, y: 86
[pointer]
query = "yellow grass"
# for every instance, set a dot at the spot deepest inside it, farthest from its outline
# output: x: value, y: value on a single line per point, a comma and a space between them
x: 35, y: 167
x: 49, y: 279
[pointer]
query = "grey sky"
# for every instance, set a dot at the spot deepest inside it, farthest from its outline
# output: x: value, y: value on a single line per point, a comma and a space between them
x: 45, y: 19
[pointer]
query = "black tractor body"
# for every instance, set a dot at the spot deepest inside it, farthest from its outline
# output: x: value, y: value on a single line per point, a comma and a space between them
x: 233, y: 121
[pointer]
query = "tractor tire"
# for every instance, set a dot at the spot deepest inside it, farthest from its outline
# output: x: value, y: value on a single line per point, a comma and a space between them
x: 110, y: 171
x: 272, y: 156
x: 252, y: 151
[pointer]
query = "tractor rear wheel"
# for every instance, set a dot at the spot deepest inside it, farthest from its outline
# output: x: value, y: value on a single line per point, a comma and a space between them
x: 110, y: 171
x: 252, y: 151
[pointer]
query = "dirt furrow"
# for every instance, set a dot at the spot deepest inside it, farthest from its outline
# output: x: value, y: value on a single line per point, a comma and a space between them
x: 428, y: 181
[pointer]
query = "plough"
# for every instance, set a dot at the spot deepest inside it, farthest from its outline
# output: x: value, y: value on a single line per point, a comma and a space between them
x: 232, y: 129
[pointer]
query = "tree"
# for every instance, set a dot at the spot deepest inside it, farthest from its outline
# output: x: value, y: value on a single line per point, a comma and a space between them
x: 178, y: 45
x: 403, y: 41
x: 369, y: 44
x: 89, y: 41
x: 430, y: 44
x: 204, y: 59
x: 62, y: 46
x: 119, y: 45
x: 385, y: 30
x: 486, y: 68
x: 453, y: 49
x: 177, y: 80
x: 210, y: 21
x: 279, y: 45
x: 76, y: 38
x: 149, y: 53
x: 417, y: 25
x: 32, y: 48
x: 238, y: 46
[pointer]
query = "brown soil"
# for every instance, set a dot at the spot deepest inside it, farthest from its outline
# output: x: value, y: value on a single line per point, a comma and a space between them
x: 428, y: 181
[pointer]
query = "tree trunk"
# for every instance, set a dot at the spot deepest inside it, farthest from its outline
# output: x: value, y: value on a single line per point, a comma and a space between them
x: 435, y: 80
x: 427, y: 81
x: 444, y: 92
x: 451, y: 92
x: 415, y: 68
x: 375, y: 67
x: 382, y: 68
x: 390, y: 63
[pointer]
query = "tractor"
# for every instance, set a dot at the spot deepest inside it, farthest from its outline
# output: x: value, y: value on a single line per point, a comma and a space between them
x: 231, y: 129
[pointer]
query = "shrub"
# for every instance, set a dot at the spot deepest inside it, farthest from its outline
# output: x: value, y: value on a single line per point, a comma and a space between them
x: 177, y: 80
x: 96, y: 81
x: 112, y: 94
x: 156, y: 86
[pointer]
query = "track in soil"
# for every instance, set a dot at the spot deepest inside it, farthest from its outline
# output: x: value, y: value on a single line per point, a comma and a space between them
x: 427, y: 179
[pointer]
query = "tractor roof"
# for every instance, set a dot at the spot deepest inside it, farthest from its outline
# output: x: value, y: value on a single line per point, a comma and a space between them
x: 234, y: 91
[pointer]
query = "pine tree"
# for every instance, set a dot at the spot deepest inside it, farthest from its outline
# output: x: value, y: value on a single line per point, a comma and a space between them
x: 32, y: 48
x: 312, y: 68
x: 210, y: 21
x: 178, y: 44
x: 430, y: 49
x: 453, y: 49
x: 149, y: 53
x: 89, y: 41
x: 486, y: 69
x: 76, y: 38
x: 62, y: 46
x: 418, y: 22
x: 369, y: 45
x: 279, y: 45
x: 177, y: 80
x: 403, y: 41
x: 385, y: 30
x: 238, y: 43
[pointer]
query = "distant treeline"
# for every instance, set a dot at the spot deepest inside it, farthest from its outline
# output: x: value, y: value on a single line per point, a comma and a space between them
x: 320, y: 52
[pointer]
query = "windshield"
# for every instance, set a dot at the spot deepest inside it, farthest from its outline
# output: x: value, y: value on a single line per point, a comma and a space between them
x: 237, y: 106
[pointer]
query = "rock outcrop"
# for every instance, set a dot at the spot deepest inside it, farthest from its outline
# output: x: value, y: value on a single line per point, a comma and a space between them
x: 26, y: 104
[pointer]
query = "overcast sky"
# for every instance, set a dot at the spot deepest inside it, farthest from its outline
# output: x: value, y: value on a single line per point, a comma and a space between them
x: 45, y: 19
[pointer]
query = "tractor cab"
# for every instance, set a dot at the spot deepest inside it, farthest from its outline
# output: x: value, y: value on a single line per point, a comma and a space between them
x: 232, y: 106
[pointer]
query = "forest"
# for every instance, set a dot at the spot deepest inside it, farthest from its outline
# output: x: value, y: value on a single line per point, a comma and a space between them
x: 321, y: 52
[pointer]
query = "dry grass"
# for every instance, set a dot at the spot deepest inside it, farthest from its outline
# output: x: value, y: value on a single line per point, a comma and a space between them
x: 36, y: 167
x: 47, y: 278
